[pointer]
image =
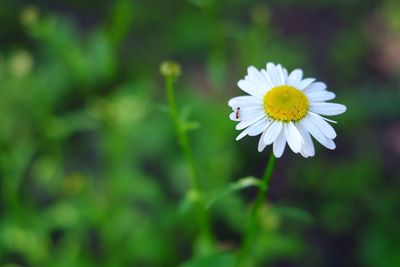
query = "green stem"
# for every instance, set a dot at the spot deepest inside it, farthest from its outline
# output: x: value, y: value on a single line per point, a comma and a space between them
x: 181, y: 132
x: 252, y: 225
x: 202, y: 216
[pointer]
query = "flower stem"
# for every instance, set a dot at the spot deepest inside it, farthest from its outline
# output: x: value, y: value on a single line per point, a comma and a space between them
x: 252, y: 225
x: 181, y: 132
x: 206, y: 238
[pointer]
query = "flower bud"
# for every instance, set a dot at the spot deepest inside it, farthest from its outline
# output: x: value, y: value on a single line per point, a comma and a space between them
x: 170, y: 69
x: 29, y: 15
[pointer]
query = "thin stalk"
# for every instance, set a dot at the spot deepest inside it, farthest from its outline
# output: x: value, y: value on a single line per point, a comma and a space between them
x: 252, y: 225
x: 202, y: 216
x: 181, y: 132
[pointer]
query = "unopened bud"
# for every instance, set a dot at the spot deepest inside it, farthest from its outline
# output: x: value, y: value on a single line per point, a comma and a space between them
x: 170, y: 69
x: 260, y: 15
x: 29, y: 15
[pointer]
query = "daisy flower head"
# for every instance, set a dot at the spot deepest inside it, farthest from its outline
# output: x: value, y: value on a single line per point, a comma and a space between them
x: 285, y: 108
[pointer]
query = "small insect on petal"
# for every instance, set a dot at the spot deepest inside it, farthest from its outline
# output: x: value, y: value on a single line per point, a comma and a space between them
x: 237, y: 114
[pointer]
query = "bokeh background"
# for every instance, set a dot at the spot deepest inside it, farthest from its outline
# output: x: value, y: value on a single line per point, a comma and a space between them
x: 90, y: 170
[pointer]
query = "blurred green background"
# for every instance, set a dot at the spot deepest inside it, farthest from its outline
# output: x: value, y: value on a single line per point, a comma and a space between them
x: 90, y: 170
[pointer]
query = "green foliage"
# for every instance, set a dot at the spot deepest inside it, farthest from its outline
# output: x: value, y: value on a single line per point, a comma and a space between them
x: 231, y: 188
x: 90, y: 169
x: 217, y: 260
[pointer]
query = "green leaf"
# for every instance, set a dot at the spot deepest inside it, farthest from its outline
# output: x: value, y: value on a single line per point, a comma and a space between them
x: 215, y: 260
x: 190, y: 125
x: 243, y: 183
x: 185, y: 113
x: 294, y: 213
x: 188, y: 202
x: 162, y: 108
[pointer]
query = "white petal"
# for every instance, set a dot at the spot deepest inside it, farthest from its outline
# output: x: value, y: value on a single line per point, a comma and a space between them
x: 285, y: 75
x: 304, y: 83
x: 249, y: 113
x: 315, y: 87
x: 241, y: 135
x: 250, y: 88
x: 246, y: 123
x: 328, y: 109
x: 272, y: 132
x: 294, y: 139
x: 245, y: 100
x: 308, y: 149
x: 281, y: 74
x: 322, y: 125
x: 279, y: 145
x: 258, y: 127
x: 268, y: 80
x: 295, y: 77
x: 330, y: 144
x: 304, y: 154
x: 261, y: 144
x: 314, y: 131
x: 257, y: 76
x: 273, y: 74
x: 319, y: 96
x: 254, y: 77
x: 332, y: 121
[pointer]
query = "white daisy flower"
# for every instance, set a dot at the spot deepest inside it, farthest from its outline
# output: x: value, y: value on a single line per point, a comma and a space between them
x: 285, y: 108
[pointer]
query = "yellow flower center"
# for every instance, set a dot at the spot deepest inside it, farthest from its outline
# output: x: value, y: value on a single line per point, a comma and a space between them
x: 286, y: 103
